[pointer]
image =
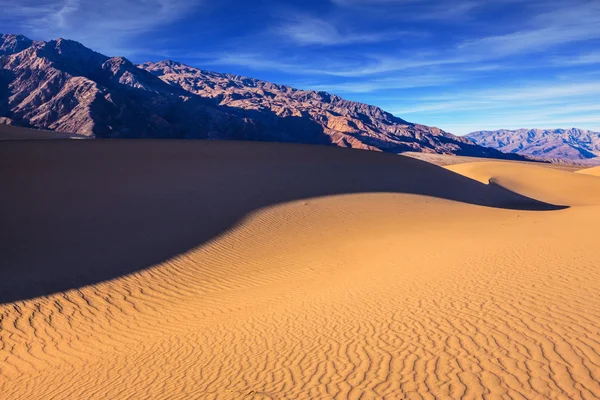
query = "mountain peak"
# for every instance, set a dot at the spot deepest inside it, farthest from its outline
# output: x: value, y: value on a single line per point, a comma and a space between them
x: 73, y: 49
x: 13, y: 43
x: 171, y: 63
x: 171, y: 67
x: 15, y: 36
x: 72, y: 56
x: 119, y: 61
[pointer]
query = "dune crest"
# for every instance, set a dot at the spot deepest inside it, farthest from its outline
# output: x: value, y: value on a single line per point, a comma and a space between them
x: 541, y: 183
x: 397, y: 280
x: 128, y: 205
x: 595, y: 171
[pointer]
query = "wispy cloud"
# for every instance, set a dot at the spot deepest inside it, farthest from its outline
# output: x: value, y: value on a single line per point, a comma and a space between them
x: 308, y: 30
x: 526, y: 105
x: 534, y: 94
x: 395, y: 83
x: 578, y: 59
x: 350, y: 67
x: 98, y: 23
x: 416, y: 9
x: 565, y: 24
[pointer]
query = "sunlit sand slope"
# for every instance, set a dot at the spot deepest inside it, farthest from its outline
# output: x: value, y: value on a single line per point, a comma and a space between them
x: 346, y: 274
x: 595, y: 171
x: 544, y: 184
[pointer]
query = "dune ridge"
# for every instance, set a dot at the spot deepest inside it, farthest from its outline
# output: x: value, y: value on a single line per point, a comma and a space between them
x: 133, y: 204
x: 535, y: 181
x: 595, y: 171
x: 406, y: 281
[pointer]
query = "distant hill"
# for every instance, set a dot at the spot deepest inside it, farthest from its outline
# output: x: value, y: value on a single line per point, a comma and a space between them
x: 62, y: 85
x: 559, y: 144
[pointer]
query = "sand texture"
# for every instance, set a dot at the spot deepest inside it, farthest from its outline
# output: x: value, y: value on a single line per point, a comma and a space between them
x: 229, y: 270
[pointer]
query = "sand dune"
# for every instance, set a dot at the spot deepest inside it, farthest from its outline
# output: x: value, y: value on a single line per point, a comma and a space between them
x: 117, y: 207
x: 451, y: 159
x: 248, y: 270
x: 535, y: 181
x: 595, y: 171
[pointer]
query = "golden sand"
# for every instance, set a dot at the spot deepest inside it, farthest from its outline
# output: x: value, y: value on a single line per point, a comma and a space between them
x: 536, y: 181
x: 292, y: 272
x: 595, y: 171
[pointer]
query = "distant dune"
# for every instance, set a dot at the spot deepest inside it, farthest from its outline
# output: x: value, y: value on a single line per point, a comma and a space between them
x: 590, y: 171
x: 451, y: 159
x: 231, y: 270
x: 532, y: 181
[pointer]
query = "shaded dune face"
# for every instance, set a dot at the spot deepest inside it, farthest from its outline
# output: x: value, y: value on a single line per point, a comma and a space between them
x: 84, y: 212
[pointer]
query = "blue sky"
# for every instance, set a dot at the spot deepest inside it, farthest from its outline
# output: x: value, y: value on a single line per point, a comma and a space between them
x: 461, y: 65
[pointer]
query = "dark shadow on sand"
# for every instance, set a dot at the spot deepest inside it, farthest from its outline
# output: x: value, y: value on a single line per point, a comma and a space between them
x: 74, y: 213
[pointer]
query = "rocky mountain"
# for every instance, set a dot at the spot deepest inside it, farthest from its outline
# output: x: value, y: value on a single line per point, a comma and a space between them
x: 10, y: 44
x: 62, y: 85
x: 559, y: 144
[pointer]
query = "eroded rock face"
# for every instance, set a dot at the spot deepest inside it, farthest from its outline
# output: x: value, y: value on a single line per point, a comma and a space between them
x: 345, y: 123
x: 10, y: 44
x: 561, y: 144
x: 62, y: 85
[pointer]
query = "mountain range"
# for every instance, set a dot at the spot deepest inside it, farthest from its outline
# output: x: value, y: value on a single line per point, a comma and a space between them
x: 555, y: 144
x: 61, y: 85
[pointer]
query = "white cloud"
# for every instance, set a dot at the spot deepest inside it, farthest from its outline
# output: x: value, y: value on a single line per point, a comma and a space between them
x: 578, y: 59
x: 549, y: 24
x: 307, y: 30
x: 532, y: 105
x: 350, y: 67
x: 529, y: 96
x: 98, y: 24
x: 415, y: 9
x: 399, y: 82
x: 568, y: 23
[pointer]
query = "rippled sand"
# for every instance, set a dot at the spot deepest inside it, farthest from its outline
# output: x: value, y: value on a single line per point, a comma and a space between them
x: 263, y: 271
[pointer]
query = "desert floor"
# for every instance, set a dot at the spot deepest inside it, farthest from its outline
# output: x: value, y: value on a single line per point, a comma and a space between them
x: 177, y: 270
